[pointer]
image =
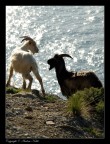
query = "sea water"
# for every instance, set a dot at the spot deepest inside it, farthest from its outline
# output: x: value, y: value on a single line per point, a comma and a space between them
x: 74, y: 30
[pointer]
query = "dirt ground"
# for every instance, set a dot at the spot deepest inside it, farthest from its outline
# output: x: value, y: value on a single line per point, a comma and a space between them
x: 29, y: 115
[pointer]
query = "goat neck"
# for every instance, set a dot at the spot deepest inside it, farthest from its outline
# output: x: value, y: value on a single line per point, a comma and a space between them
x: 61, y: 72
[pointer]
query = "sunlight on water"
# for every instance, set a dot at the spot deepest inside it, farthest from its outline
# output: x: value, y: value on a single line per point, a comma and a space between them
x: 90, y: 18
x: 75, y: 30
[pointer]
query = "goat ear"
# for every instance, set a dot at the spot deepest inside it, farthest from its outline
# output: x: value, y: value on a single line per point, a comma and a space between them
x: 65, y: 55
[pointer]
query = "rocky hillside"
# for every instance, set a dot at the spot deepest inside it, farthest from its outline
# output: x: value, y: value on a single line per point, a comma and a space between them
x: 30, y: 115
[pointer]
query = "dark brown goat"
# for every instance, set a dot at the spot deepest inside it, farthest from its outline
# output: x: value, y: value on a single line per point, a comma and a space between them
x: 70, y: 82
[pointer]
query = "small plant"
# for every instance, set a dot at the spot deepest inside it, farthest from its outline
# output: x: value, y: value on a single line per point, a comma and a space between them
x: 82, y: 102
x: 100, y: 107
x: 77, y: 105
x: 50, y: 98
x: 93, y: 131
x: 100, y: 111
x: 12, y: 90
x: 93, y: 95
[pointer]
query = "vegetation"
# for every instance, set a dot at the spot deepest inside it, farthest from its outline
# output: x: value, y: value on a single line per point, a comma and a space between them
x: 93, y: 131
x: 50, y: 98
x: 77, y: 105
x: 12, y: 90
x: 88, y: 102
x: 100, y: 111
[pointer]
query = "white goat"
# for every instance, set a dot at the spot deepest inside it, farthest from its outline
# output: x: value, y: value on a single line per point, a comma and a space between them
x: 22, y: 61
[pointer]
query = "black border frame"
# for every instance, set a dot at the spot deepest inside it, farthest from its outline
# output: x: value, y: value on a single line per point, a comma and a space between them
x: 3, y: 71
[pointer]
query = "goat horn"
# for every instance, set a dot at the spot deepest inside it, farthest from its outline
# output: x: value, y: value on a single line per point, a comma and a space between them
x: 65, y: 55
x: 26, y: 38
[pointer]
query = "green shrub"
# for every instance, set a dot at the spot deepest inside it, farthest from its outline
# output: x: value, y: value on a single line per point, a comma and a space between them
x: 93, y: 95
x: 100, y: 107
x: 100, y: 111
x: 82, y: 102
x: 77, y: 105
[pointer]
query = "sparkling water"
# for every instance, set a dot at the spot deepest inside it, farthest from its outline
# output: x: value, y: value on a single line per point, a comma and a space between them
x: 74, y: 30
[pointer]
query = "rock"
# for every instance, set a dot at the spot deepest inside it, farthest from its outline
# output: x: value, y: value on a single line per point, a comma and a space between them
x: 46, y: 108
x: 7, y: 105
x: 29, y: 109
x: 26, y: 134
x: 29, y: 117
x: 43, y: 137
x: 50, y: 123
x: 16, y: 128
x: 9, y: 114
x: 36, y: 92
x: 17, y: 111
x: 50, y: 118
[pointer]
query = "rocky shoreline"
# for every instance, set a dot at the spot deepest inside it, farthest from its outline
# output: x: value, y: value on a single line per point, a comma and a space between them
x: 30, y: 115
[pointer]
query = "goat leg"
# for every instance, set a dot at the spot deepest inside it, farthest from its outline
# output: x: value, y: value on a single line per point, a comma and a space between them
x: 36, y: 73
x: 42, y: 88
x: 10, y: 75
x: 24, y: 84
x: 29, y: 77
